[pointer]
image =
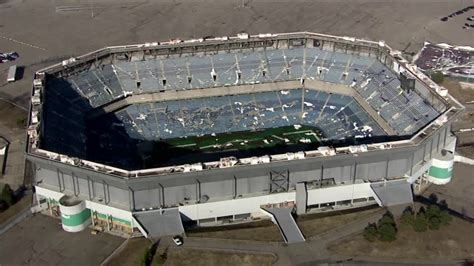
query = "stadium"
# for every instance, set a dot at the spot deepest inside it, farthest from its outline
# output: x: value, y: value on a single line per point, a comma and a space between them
x: 153, y: 138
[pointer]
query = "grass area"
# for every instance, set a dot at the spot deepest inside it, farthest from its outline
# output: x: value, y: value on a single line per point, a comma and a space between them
x: 243, y: 140
x: 453, y: 241
x: 22, y: 204
x: 12, y: 116
x: 263, y: 230
x: 132, y: 254
x: 455, y: 89
x: 315, y: 224
x: 198, y: 257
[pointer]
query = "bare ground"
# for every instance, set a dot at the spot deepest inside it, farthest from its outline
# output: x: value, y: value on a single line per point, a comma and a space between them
x: 461, y: 94
x: 132, y: 254
x: 12, y: 128
x: 16, y: 208
x: 312, y: 225
x: 449, y: 242
x: 198, y: 257
x: 263, y: 230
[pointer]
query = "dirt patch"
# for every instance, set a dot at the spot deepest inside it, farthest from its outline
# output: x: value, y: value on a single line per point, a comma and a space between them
x: 196, y: 257
x: 461, y: 94
x: 12, y: 116
x: 132, y: 254
x: 449, y: 242
x: 467, y: 151
x: 263, y: 230
x: 16, y: 208
x: 315, y: 224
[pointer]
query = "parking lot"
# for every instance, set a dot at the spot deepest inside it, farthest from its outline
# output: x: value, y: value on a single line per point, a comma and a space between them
x: 43, y: 33
x: 40, y: 240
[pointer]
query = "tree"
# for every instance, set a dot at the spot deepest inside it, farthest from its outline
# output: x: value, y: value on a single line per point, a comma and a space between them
x: 370, y: 232
x: 387, y: 228
x: 437, y: 77
x: 7, y: 195
x: 3, y: 206
x: 434, y: 223
x: 408, y: 216
x: 421, y: 211
x: 444, y: 217
x: 420, y: 224
x: 387, y: 218
x: 432, y: 211
x: 387, y: 232
x: 433, y: 198
x: 436, y: 217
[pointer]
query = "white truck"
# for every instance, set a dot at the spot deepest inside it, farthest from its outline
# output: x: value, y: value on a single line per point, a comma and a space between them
x: 11, y: 74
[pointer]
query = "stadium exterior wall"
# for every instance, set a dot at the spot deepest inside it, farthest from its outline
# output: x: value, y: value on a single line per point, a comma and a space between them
x: 234, y: 183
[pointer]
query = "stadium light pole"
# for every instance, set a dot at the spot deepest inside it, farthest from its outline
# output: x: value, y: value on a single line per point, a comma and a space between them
x: 92, y: 9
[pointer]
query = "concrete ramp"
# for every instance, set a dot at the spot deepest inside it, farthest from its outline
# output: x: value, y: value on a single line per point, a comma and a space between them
x: 287, y: 225
x: 393, y: 192
x: 158, y: 223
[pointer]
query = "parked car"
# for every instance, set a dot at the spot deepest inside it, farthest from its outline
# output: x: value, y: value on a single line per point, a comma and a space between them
x: 178, y: 240
x: 7, y: 57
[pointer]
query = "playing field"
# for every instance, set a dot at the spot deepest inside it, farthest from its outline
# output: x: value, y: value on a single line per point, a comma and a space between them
x: 245, y: 140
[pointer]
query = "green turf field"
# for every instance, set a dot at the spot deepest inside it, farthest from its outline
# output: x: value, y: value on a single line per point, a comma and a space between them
x: 244, y: 140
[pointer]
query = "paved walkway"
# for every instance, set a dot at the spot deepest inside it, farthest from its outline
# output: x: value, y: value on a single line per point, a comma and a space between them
x: 287, y: 225
x: 15, y: 220
x: 15, y: 160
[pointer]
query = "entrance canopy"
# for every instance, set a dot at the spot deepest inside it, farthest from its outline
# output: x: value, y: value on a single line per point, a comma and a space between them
x: 159, y: 223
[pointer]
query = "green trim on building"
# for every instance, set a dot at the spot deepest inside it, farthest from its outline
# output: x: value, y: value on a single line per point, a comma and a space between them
x: 52, y: 201
x: 441, y: 173
x: 101, y: 215
x: 114, y: 219
x: 75, y: 219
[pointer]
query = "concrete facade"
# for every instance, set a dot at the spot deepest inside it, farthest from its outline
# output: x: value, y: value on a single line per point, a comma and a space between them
x: 239, y: 182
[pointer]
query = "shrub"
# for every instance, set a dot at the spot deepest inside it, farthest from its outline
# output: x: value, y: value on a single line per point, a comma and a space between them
x: 433, y: 198
x: 21, y: 122
x: 387, y: 218
x: 432, y: 211
x: 445, y: 218
x: 420, y: 224
x: 437, y: 77
x: 408, y: 216
x: 421, y: 210
x: 387, y: 232
x: 3, y: 206
x: 370, y: 232
x: 434, y: 223
x: 7, y: 195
